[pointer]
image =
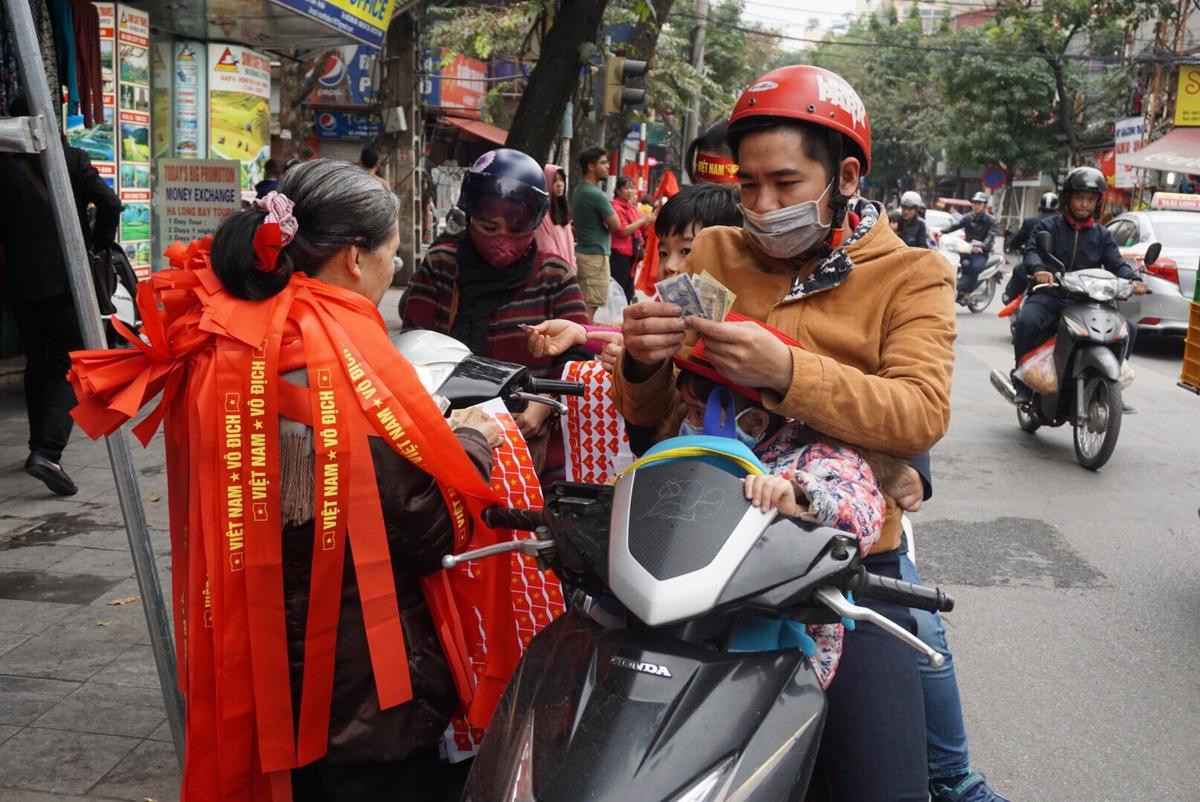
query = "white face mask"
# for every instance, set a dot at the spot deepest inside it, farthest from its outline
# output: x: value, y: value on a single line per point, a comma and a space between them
x: 790, y: 231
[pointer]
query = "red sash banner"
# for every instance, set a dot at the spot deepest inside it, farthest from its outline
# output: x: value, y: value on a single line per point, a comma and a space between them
x: 535, y: 597
x: 216, y: 361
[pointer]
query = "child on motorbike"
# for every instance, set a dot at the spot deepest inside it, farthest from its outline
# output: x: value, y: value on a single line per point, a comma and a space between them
x: 809, y: 475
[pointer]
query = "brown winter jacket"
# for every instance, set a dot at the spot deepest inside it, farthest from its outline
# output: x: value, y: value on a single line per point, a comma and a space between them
x: 878, y: 351
x: 419, y: 532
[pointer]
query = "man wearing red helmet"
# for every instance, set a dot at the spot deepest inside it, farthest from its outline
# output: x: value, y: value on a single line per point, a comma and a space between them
x: 876, y: 320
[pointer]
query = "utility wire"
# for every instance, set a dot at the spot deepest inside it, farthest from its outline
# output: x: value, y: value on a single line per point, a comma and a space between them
x: 1018, y: 54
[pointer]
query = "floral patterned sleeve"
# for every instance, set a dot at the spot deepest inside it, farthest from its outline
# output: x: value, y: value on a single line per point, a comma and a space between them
x: 842, y: 491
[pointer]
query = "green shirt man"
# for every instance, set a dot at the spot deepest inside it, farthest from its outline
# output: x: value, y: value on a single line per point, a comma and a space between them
x: 590, y: 207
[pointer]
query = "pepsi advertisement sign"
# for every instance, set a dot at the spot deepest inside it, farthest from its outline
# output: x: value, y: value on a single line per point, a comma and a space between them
x: 345, y: 78
x: 347, y: 125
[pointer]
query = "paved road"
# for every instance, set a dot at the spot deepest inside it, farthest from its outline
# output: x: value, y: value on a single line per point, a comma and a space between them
x: 1077, y: 635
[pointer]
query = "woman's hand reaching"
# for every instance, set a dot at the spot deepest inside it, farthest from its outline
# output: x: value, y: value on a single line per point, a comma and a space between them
x: 554, y: 337
x: 481, y: 422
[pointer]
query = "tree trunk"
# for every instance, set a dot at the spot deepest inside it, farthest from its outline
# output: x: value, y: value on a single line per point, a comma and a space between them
x: 1066, y: 108
x: 554, y: 79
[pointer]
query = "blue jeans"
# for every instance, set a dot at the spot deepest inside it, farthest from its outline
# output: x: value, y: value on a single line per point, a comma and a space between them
x: 945, y: 733
x: 972, y: 265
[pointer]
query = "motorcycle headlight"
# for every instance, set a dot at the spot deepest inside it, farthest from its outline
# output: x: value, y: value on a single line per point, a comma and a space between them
x: 1096, y: 288
x: 711, y: 786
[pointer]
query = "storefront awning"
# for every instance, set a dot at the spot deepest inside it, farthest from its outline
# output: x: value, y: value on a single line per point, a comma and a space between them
x: 1178, y: 151
x: 258, y: 24
x: 480, y: 129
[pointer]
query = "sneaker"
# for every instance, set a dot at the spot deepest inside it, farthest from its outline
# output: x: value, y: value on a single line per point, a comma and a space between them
x: 1128, y: 409
x: 1021, y: 392
x: 51, y: 474
x: 972, y: 788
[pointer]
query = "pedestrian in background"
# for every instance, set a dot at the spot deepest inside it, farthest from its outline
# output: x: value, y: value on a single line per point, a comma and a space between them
x: 369, y: 161
x: 38, y: 290
x: 628, y: 241
x: 594, y: 220
x: 554, y: 235
x: 271, y: 173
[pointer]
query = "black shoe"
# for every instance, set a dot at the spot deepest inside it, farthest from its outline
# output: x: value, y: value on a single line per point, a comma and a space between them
x: 1128, y: 409
x: 52, y: 475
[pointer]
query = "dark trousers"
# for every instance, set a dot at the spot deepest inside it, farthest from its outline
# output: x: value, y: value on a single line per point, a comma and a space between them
x: 972, y: 266
x: 1037, y: 322
x: 621, y: 267
x: 50, y: 332
x: 873, y: 746
x: 1016, y: 284
x: 422, y: 777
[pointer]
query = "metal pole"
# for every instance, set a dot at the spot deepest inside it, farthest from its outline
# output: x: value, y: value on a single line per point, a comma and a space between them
x: 641, y: 160
x: 693, y: 120
x: 33, y: 78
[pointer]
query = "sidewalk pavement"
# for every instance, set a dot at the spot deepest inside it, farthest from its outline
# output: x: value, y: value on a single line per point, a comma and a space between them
x: 81, y: 710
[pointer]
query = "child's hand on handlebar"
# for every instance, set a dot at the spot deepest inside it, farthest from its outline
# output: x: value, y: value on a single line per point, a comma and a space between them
x: 773, y: 492
x: 1043, y: 277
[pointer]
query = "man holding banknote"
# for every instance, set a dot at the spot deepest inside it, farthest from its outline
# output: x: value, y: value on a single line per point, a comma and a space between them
x: 876, y: 324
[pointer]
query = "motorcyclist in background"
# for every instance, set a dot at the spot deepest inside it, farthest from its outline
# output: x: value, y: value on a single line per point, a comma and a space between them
x: 1047, y: 207
x: 912, y: 225
x: 978, y: 226
x: 1078, y: 242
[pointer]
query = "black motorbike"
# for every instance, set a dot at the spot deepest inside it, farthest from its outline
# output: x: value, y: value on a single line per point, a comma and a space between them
x: 634, y: 693
x: 981, y: 297
x: 1089, y: 350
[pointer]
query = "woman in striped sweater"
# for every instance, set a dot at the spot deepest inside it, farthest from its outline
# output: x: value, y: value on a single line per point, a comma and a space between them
x: 484, y: 283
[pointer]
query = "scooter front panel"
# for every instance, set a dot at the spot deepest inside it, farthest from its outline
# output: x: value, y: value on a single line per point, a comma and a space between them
x: 610, y: 725
x: 679, y: 532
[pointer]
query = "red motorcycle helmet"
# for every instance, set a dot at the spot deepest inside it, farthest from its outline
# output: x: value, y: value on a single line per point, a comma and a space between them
x: 813, y: 95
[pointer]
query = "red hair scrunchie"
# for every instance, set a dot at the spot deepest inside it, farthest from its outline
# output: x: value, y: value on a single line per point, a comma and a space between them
x: 268, y: 242
x: 275, y: 232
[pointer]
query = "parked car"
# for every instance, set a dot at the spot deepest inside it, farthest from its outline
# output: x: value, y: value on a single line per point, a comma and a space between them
x: 1173, y: 220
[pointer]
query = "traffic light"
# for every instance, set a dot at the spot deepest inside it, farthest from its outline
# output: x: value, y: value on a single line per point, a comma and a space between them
x: 616, y: 94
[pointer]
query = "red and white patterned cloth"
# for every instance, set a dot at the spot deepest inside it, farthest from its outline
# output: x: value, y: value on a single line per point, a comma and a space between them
x: 593, y: 433
x: 537, y: 597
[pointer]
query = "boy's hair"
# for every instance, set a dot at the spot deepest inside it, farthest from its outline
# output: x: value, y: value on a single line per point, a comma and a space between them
x: 704, y: 204
x: 589, y: 156
x: 369, y: 157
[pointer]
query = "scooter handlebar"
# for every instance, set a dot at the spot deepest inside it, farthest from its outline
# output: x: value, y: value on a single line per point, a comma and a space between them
x: 905, y: 594
x: 507, y: 518
x: 555, y: 387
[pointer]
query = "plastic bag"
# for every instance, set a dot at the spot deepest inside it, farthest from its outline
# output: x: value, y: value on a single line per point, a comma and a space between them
x: 1127, y: 374
x: 614, y: 311
x: 1037, y: 369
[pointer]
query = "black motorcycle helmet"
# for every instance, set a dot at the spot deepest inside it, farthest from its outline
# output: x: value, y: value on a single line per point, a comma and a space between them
x: 509, y: 184
x: 1049, y: 203
x: 1084, y: 179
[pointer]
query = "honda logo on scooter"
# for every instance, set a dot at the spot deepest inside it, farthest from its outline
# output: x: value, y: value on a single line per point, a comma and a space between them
x: 645, y: 668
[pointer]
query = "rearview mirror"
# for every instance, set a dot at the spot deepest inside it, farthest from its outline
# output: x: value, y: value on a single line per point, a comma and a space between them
x: 1152, y: 253
x: 1043, y: 241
